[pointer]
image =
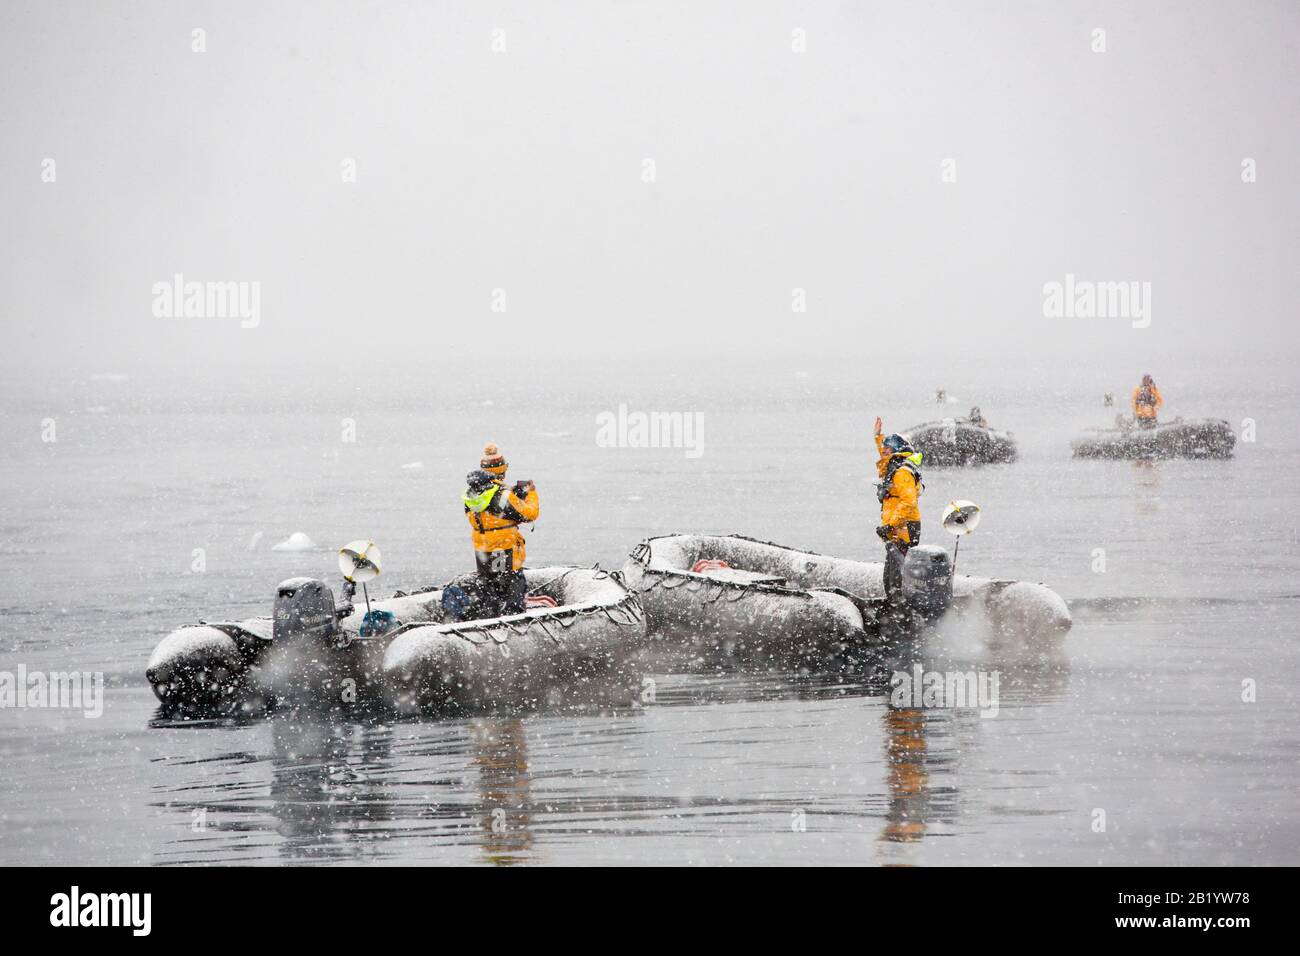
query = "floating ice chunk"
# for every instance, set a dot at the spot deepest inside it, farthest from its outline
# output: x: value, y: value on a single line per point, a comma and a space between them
x: 297, y: 541
x: 413, y: 466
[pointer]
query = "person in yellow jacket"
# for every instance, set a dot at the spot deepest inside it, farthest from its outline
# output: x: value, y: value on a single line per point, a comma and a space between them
x: 494, y: 515
x: 1146, y: 402
x: 899, y: 492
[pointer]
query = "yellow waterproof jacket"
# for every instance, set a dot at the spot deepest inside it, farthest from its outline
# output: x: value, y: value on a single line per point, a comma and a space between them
x: 494, y: 518
x: 902, y: 497
x: 1146, y: 400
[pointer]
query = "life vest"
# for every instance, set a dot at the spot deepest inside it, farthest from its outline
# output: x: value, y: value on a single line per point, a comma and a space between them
x: 494, y: 519
x: 1146, y: 401
x: 909, y: 462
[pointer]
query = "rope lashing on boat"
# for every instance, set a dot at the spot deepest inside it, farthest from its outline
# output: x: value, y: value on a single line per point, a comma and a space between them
x: 670, y: 580
x: 646, y: 544
x: 627, y: 612
x: 624, y: 613
x: 695, y: 581
x: 547, y: 631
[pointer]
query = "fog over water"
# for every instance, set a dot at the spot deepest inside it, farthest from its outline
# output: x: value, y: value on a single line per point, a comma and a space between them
x: 523, y: 170
x: 796, y: 264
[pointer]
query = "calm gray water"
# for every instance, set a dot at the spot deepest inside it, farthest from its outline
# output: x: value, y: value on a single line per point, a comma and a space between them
x: 1140, y: 715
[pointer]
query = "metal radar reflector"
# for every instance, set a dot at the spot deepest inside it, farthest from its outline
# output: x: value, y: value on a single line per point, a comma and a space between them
x: 359, y: 562
x: 960, y: 518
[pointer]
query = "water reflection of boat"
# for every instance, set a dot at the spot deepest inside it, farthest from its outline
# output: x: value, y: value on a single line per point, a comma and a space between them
x: 327, y: 791
x: 325, y: 797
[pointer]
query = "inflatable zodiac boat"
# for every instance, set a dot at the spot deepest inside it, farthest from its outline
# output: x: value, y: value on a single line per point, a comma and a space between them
x: 739, y: 594
x: 1178, y: 438
x: 399, y: 652
x: 960, y: 441
x: 593, y: 628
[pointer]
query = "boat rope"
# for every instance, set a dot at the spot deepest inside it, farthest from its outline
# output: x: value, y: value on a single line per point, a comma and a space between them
x: 670, y: 579
x: 624, y: 613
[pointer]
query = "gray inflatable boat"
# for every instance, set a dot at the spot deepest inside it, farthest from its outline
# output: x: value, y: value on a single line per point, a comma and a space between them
x: 593, y: 634
x: 402, y: 653
x: 959, y: 442
x: 745, y: 596
x: 1178, y: 438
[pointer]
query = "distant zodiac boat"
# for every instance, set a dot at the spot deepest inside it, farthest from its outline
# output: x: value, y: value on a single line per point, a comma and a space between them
x: 955, y: 442
x: 1179, y: 438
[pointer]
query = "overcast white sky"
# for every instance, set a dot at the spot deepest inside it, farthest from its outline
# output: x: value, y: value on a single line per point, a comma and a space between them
x: 523, y: 170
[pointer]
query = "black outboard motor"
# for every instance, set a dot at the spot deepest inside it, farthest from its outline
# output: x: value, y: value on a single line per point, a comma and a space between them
x: 927, y: 580
x: 304, y: 608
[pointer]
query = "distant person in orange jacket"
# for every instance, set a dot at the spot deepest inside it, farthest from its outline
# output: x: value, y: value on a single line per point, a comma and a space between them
x: 899, y: 492
x: 1146, y: 402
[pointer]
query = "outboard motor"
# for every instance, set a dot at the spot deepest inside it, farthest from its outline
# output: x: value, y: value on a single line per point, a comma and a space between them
x: 304, y: 607
x: 927, y: 580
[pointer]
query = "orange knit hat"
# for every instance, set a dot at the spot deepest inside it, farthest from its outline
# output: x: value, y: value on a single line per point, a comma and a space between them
x: 493, y: 461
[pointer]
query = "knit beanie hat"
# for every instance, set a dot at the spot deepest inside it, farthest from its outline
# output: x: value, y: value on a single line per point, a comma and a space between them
x: 493, y: 461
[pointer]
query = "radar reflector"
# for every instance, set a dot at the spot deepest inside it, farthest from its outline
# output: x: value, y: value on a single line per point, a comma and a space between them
x: 359, y: 561
x: 961, y: 517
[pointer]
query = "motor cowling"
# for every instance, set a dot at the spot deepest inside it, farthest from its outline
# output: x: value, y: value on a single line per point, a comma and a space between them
x: 304, y: 607
x: 927, y: 579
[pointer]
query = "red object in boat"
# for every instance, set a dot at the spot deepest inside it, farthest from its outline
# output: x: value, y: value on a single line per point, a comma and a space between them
x: 708, y: 564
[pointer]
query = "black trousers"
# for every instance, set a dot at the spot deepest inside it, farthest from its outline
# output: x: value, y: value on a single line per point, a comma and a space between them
x: 895, y: 554
x: 474, y: 597
x: 504, y: 593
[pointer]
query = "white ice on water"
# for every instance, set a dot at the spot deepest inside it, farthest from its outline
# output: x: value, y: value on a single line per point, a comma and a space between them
x: 298, y: 541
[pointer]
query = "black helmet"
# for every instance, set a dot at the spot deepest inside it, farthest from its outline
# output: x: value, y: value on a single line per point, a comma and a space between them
x: 898, y: 444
